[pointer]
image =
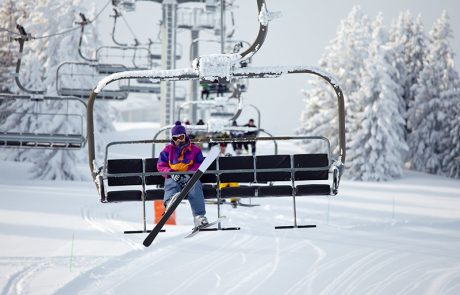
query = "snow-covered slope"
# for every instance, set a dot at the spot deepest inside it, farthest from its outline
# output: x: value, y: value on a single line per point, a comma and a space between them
x: 399, y: 237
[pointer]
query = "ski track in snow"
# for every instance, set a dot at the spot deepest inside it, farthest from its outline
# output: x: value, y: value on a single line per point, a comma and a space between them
x: 352, y: 251
x: 306, y: 282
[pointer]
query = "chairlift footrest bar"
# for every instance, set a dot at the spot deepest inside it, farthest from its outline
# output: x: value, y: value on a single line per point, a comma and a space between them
x: 217, y: 229
x: 295, y: 226
x: 139, y: 231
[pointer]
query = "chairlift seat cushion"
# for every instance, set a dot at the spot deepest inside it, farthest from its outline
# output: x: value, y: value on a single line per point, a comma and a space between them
x: 275, y: 191
x: 209, y: 177
x: 124, y: 196
x: 154, y: 194
x: 240, y: 191
x: 151, y: 166
x: 313, y: 190
x: 209, y: 191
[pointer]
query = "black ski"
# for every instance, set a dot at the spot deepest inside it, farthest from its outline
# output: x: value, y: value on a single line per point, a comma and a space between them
x: 212, y: 155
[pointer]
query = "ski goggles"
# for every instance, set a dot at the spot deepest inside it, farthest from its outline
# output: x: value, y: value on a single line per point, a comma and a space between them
x: 178, y: 137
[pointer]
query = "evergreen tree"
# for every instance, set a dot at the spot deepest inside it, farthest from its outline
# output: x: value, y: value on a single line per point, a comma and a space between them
x: 451, y: 157
x: 61, y: 164
x: 40, y: 61
x: 28, y: 14
x: 319, y: 115
x: 408, y: 40
x: 432, y: 112
x: 7, y: 61
x: 378, y: 141
x: 343, y: 58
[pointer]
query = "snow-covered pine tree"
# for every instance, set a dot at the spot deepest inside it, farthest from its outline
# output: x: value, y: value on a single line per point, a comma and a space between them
x: 451, y: 157
x: 431, y: 113
x: 343, y: 58
x: 377, y: 144
x: 319, y: 117
x: 63, y: 164
x: 450, y: 97
x: 28, y: 14
x: 8, y: 10
x: 408, y: 39
x: 39, y: 69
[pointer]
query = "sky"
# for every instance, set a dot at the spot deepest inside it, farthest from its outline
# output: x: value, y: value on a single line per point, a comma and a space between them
x: 298, y: 37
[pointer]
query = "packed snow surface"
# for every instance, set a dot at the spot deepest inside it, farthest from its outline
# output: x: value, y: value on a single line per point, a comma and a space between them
x: 397, y: 237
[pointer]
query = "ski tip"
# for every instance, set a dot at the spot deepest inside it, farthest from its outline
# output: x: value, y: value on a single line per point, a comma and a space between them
x: 147, y: 243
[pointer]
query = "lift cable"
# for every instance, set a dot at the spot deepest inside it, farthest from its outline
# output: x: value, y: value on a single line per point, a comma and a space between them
x: 65, y: 31
x: 129, y: 28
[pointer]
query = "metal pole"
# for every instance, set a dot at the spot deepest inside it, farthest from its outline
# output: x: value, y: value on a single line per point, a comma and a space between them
x: 143, y: 195
x: 222, y: 26
x: 293, y: 190
x: 194, y: 52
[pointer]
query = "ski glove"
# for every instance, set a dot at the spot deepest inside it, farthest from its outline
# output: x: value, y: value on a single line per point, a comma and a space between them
x: 184, y: 179
x: 176, y: 177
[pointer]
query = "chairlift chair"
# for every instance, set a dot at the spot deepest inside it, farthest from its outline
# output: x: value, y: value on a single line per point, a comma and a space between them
x: 15, y: 137
x: 300, y: 167
x: 131, y: 57
x: 18, y: 138
x: 67, y: 72
x: 196, y: 18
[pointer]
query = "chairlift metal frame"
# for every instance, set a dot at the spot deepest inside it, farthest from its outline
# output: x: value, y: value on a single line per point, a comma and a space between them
x: 193, y: 74
x: 21, y: 139
x: 118, y: 94
x: 124, y: 49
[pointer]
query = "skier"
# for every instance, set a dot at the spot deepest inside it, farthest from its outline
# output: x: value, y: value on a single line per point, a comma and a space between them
x: 204, y: 90
x: 237, y: 146
x: 250, y: 134
x: 221, y: 89
x: 179, y: 156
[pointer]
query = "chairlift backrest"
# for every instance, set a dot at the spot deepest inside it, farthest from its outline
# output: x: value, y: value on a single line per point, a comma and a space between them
x: 209, y: 176
x: 151, y: 166
x: 273, y: 162
x: 126, y: 166
x: 244, y: 162
x: 311, y: 160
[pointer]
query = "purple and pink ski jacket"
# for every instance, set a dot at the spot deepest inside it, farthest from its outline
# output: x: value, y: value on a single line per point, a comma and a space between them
x: 181, y: 159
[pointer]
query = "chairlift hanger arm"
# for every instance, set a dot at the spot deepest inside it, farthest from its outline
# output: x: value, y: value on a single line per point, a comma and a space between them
x: 117, y: 14
x: 83, y: 23
x: 24, y: 37
x: 273, y: 72
x: 260, y: 39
